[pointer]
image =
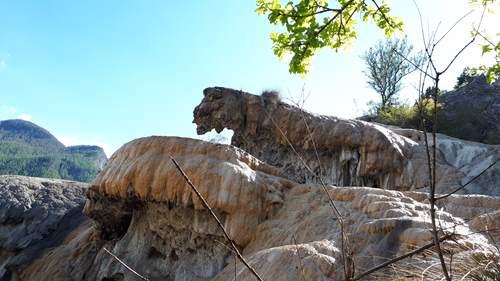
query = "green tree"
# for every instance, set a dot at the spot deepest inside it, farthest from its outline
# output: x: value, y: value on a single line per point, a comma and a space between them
x: 313, y: 24
x: 387, y: 64
x: 464, y: 78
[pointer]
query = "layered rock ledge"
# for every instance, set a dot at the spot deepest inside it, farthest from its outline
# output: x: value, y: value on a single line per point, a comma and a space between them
x: 141, y: 201
x: 143, y: 211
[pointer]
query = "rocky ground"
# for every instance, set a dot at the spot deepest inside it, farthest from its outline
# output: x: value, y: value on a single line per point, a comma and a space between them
x: 36, y: 214
x: 141, y: 209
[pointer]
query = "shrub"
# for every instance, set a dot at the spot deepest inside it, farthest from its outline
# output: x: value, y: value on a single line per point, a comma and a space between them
x: 399, y: 115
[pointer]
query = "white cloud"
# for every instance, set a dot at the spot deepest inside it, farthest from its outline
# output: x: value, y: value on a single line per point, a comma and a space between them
x: 25, y: 117
x: 11, y: 110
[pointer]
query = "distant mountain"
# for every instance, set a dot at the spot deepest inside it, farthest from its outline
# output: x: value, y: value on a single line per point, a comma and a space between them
x: 30, y: 150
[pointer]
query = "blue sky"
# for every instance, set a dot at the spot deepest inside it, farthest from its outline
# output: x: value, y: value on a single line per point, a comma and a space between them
x: 106, y: 72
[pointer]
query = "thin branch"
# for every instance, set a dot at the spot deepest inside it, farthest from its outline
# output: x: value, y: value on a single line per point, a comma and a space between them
x: 301, y: 265
x: 452, y: 27
x: 342, y: 226
x: 422, y: 33
x: 432, y: 195
x: 325, y: 10
x: 466, y: 45
x: 125, y: 265
x: 316, y: 34
x: 205, y: 204
x: 486, y: 39
x: 469, y: 181
x: 458, y: 54
x: 413, y: 64
x: 383, y: 14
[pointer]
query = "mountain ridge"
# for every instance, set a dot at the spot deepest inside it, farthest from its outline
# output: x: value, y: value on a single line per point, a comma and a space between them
x: 30, y: 150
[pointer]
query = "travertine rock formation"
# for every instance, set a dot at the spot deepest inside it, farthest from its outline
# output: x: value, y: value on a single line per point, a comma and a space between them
x: 35, y: 215
x: 339, y: 151
x: 141, y: 200
x: 466, y: 159
x: 144, y: 212
x: 304, y: 243
x: 351, y: 152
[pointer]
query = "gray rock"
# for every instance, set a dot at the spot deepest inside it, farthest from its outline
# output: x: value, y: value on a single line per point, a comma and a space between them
x: 35, y: 214
x: 472, y: 112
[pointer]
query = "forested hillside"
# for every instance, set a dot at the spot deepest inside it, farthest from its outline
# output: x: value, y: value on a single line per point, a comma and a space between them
x: 27, y: 149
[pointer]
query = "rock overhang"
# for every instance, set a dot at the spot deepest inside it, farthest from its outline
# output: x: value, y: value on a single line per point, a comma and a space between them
x: 232, y: 181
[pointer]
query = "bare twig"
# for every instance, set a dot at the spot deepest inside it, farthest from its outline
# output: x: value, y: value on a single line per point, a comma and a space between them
x: 205, y: 204
x: 232, y: 251
x: 432, y: 195
x: 125, y: 265
x: 469, y: 181
x: 466, y: 45
x: 413, y: 64
x: 301, y: 265
x: 452, y: 27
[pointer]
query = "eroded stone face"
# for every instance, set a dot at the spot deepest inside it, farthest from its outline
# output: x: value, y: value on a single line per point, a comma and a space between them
x: 143, y: 211
x: 351, y: 152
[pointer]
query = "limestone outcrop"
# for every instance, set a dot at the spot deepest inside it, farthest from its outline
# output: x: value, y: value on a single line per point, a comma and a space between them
x: 143, y: 211
x: 340, y: 151
x: 266, y: 195
x: 35, y: 215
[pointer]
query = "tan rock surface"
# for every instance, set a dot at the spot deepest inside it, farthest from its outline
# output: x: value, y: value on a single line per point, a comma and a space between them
x: 286, y: 230
x: 380, y: 224
x: 230, y: 179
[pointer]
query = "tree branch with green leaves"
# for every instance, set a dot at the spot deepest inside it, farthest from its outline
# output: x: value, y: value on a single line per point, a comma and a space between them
x: 310, y: 25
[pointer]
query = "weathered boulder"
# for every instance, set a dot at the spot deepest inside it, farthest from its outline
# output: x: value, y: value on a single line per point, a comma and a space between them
x: 35, y: 215
x: 338, y: 151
